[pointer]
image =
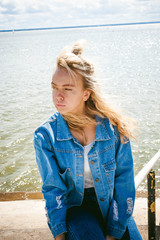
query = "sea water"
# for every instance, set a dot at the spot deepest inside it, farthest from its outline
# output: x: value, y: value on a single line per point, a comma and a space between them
x: 127, y: 59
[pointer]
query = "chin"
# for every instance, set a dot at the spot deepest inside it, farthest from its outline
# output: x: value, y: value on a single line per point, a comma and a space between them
x: 62, y: 111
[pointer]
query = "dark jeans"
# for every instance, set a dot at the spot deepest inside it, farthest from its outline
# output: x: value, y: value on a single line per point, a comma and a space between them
x: 86, y: 222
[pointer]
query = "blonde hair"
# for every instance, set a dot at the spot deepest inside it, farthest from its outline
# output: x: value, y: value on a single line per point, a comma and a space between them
x: 77, y: 66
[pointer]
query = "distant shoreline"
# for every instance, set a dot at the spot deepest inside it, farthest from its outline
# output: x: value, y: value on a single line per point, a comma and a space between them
x: 81, y: 26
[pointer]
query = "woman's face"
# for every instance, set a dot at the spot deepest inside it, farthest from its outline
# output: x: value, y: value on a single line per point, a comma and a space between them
x: 69, y: 96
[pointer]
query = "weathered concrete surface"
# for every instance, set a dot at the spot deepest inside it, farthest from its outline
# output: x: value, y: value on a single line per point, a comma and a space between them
x: 25, y: 220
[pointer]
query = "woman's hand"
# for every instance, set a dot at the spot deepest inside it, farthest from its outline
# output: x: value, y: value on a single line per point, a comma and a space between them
x: 110, y: 238
x: 60, y: 237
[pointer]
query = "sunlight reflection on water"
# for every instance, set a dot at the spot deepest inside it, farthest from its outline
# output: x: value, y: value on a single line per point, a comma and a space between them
x: 128, y: 61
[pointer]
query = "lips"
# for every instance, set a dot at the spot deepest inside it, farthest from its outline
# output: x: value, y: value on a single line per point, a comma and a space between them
x: 60, y: 105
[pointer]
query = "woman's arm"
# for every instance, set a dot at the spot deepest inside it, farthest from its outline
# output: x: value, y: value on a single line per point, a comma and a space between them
x: 60, y: 237
x: 53, y: 187
x: 122, y: 204
x: 110, y: 238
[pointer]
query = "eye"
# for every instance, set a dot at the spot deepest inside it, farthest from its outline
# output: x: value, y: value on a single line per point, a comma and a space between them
x: 53, y: 86
x: 68, y: 89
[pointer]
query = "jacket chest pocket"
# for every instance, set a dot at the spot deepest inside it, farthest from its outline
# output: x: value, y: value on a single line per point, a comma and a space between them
x: 109, y: 169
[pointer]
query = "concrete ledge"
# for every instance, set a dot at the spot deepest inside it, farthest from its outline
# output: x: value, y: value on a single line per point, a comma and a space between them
x: 43, y: 234
x: 26, y: 234
x: 25, y: 220
x: 14, y: 196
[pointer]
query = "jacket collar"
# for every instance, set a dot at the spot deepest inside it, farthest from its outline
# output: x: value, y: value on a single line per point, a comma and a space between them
x: 63, y: 132
x: 101, y: 130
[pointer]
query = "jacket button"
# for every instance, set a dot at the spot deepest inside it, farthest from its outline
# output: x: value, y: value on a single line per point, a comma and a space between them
x: 102, y: 199
x: 97, y: 180
x: 92, y: 162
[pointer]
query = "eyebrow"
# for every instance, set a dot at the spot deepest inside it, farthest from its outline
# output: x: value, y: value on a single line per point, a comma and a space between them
x: 64, y: 85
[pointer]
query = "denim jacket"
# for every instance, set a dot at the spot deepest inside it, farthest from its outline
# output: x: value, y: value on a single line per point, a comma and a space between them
x: 60, y: 159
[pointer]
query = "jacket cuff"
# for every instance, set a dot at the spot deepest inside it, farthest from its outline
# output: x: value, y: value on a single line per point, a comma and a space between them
x: 58, y: 229
x: 115, y: 232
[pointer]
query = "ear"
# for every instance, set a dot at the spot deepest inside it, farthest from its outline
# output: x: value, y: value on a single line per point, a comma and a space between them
x: 86, y: 95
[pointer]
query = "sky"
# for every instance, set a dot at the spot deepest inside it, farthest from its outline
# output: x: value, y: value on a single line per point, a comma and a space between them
x: 17, y: 14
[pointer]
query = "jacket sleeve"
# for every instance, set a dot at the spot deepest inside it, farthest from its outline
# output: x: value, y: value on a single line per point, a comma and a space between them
x: 53, y: 187
x: 121, y: 207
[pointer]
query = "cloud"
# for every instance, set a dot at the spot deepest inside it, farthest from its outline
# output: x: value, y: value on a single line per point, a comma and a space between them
x: 51, y: 13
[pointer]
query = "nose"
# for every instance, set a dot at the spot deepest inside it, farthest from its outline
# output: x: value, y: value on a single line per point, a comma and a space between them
x: 59, y: 97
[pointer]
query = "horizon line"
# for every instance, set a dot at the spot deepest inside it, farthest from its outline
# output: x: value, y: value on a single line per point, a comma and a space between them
x: 77, y: 26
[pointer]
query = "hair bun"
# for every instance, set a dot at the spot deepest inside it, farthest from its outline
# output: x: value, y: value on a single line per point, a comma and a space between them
x: 78, y: 47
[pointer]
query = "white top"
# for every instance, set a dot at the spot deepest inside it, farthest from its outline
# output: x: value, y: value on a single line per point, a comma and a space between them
x: 88, y: 181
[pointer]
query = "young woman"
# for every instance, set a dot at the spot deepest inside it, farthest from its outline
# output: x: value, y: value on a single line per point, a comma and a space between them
x: 84, y: 157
